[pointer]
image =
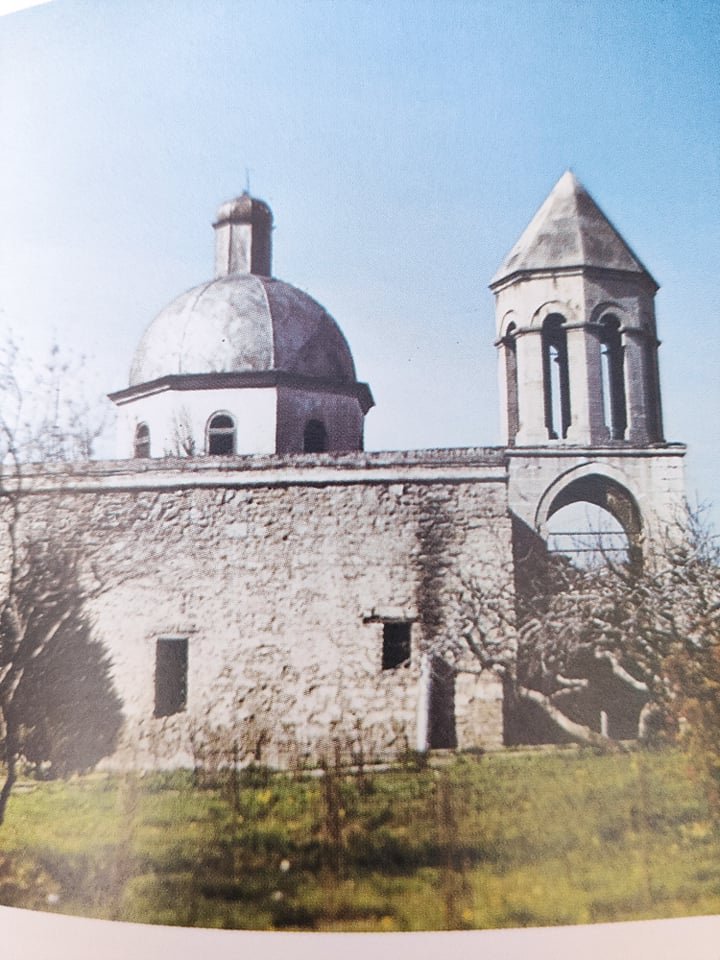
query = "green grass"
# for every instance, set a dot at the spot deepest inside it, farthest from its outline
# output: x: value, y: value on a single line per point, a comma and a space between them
x: 514, y: 839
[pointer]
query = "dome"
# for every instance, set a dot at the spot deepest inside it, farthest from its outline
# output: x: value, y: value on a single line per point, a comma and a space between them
x: 243, y: 323
x: 246, y: 355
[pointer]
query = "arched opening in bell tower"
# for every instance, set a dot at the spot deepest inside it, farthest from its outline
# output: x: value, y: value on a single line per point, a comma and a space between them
x: 511, y: 383
x: 556, y: 377
x: 613, y: 377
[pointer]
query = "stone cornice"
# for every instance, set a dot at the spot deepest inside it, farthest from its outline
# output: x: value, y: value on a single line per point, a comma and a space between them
x: 619, y: 449
x: 244, y: 380
x: 577, y: 270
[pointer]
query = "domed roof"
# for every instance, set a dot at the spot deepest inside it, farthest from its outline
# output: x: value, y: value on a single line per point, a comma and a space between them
x: 243, y: 323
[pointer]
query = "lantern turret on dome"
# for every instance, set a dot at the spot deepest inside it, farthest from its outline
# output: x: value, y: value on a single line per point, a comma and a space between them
x: 243, y: 237
x: 243, y: 363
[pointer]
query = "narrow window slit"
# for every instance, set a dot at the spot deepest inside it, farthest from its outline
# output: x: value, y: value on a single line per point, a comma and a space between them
x: 171, y: 664
x: 315, y: 437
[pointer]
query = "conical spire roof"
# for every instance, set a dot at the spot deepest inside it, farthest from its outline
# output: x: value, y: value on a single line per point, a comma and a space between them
x: 569, y: 230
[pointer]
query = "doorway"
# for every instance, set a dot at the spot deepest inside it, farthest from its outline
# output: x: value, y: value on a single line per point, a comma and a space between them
x: 441, y: 732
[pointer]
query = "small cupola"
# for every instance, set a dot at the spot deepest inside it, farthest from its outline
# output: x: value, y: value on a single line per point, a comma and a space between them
x: 243, y: 237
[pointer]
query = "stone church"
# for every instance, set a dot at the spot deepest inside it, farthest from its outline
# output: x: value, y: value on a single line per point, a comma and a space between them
x: 296, y: 588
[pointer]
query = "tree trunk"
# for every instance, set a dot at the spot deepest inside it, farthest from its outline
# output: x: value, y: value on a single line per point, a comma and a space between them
x: 575, y: 730
x: 10, y: 775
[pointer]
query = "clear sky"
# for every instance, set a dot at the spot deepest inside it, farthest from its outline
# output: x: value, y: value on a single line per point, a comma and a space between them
x: 403, y: 147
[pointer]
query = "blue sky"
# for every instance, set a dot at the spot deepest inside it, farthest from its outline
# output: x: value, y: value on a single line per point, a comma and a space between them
x: 403, y: 147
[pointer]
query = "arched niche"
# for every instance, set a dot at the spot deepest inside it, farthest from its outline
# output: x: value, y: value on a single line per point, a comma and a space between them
x: 141, y: 443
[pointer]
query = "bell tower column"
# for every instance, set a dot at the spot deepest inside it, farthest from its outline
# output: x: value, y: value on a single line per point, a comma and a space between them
x: 635, y: 385
x: 644, y: 420
x: 531, y: 414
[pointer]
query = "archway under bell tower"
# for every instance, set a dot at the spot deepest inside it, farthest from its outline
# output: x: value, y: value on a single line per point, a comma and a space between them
x: 603, y: 516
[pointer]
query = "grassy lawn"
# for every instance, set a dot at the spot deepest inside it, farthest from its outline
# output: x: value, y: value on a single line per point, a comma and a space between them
x: 504, y: 840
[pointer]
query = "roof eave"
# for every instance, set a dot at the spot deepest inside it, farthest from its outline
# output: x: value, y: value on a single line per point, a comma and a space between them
x: 245, y: 379
x: 502, y: 280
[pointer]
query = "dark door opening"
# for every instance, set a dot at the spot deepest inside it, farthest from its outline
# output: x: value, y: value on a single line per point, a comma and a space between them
x: 441, y: 734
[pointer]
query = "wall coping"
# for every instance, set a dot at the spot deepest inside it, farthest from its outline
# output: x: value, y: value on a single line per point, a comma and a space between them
x: 452, y: 465
x: 440, y: 465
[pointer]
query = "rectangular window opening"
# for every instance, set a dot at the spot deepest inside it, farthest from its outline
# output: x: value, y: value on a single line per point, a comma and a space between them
x: 171, y: 664
x: 396, y: 645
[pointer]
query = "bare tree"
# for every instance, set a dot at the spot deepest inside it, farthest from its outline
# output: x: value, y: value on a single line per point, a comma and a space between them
x: 47, y: 413
x: 182, y: 437
x: 600, y: 649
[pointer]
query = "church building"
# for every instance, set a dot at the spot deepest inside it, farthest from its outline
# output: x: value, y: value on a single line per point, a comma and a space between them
x: 270, y: 583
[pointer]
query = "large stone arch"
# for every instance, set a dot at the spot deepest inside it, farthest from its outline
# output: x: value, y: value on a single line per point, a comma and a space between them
x: 595, y: 483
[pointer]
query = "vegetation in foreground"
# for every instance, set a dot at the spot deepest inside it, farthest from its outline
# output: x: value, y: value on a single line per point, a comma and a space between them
x: 506, y: 840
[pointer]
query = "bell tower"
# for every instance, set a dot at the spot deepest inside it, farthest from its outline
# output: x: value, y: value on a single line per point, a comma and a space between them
x: 576, y: 331
x: 578, y: 365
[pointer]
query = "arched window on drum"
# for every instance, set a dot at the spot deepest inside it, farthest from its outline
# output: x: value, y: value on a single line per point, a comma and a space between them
x: 315, y: 439
x: 221, y: 435
x: 141, y: 446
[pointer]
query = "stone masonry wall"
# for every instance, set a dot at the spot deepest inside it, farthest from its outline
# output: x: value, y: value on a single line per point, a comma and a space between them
x: 280, y: 572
